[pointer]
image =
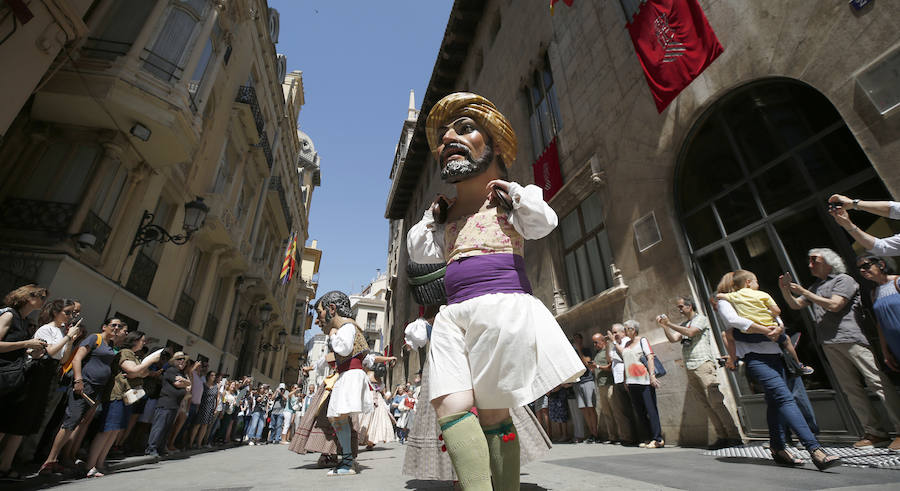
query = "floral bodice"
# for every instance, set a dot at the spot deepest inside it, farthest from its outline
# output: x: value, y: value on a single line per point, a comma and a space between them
x: 487, y: 231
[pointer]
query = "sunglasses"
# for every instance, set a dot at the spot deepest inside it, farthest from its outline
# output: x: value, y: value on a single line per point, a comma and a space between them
x: 117, y: 326
x: 864, y: 266
x: 38, y: 295
x: 69, y: 313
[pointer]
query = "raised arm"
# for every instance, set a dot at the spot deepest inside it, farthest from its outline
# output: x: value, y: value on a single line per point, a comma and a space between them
x: 425, y: 240
x: 531, y: 215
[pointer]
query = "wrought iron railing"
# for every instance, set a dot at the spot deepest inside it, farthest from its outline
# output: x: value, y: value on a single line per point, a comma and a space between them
x: 212, y: 324
x: 28, y: 214
x: 98, y: 228
x: 184, y: 311
x: 18, y: 268
x: 275, y: 185
x: 160, y: 67
x: 105, y: 49
x: 142, y: 273
x: 247, y: 95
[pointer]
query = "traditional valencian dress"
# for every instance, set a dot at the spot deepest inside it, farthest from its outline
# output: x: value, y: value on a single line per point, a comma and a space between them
x: 377, y: 426
x: 493, y: 336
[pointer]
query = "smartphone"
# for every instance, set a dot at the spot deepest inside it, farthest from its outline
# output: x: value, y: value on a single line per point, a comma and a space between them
x: 789, y: 277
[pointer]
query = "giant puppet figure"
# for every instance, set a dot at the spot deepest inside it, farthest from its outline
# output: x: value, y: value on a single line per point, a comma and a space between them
x: 350, y: 395
x: 493, y: 346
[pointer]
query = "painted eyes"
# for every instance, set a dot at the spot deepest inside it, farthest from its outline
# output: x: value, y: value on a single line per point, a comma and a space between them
x: 460, y: 127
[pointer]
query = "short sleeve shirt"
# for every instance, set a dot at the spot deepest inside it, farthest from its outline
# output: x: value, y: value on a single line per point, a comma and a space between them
x: 97, y: 366
x: 697, y: 350
x: 842, y: 326
x: 602, y: 377
x: 170, y: 396
x: 52, y: 335
x: 123, y: 383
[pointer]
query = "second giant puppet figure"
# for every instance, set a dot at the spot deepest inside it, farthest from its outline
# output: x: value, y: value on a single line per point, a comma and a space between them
x: 493, y: 346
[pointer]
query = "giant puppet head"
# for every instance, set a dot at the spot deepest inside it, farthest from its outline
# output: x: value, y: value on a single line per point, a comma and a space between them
x: 341, y: 303
x: 481, y: 132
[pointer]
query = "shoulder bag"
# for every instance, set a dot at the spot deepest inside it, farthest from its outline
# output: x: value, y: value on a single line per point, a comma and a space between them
x: 658, y: 369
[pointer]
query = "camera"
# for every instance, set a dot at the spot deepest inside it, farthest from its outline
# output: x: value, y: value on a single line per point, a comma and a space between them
x: 834, y: 206
x: 661, y: 317
x: 722, y: 361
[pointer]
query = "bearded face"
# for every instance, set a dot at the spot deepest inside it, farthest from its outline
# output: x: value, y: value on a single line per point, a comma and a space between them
x: 460, y: 169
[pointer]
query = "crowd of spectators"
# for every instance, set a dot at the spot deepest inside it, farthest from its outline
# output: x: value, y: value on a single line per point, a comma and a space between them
x: 70, y: 399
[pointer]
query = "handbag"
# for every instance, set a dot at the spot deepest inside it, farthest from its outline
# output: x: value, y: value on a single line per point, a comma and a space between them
x: 658, y: 369
x: 133, y: 395
x: 12, y: 375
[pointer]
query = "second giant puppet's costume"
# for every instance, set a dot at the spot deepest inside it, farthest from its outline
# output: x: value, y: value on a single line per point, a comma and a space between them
x: 493, y: 337
x: 351, y: 395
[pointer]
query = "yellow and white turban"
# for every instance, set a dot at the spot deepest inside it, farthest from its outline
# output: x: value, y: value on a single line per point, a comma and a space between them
x: 483, y: 112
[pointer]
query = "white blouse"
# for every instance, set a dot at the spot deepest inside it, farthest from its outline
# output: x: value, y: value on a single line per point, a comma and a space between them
x: 889, y: 246
x: 531, y: 216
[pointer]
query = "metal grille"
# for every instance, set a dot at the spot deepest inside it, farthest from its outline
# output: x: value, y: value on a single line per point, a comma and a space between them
x: 184, y: 311
x: 879, y: 458
x: 212, y: 323
x: 98, y: 228
x: 142, y: 273
x: 28, y: 214
x: 247, y: 95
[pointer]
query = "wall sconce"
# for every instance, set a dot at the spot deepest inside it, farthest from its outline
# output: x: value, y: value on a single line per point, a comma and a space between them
x: 281, y: 336
x: 194, y: 216
x: 265, y: 313
x: 140, y: 132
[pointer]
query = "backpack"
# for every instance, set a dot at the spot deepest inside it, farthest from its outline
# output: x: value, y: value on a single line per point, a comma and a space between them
x: 66, y: 375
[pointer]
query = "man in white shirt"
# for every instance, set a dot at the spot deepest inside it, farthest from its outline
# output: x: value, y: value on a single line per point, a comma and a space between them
x: 620, y: 400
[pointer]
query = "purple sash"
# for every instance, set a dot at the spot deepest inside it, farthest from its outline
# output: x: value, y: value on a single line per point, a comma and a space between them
x: 474, y: 276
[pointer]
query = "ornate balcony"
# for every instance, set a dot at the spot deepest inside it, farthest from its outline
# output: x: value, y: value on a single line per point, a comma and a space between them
x: 27, y: 214
x: 18, y: 268
x: 275, y: 185
x: 247, y: 95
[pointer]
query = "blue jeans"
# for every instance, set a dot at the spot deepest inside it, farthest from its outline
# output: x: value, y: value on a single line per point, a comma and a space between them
x: 768, y: 371
x: 257, y: 423
x: 275, y: 424
x: 802, y: 400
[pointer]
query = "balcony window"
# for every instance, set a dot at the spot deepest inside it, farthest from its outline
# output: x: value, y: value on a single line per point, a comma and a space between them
x: 543, y: 108
x: 119, y: 29
x: 165, y: 58
x: 586, y: 251
x: 371, y: 320
x: 191, y: 291
x: 205, y: 66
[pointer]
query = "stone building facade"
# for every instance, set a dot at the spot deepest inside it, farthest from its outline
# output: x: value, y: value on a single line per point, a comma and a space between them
x: 733, y: 174
x: 156, y: 104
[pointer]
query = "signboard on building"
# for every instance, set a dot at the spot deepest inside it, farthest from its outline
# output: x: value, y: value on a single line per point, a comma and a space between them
x: 546, y: 171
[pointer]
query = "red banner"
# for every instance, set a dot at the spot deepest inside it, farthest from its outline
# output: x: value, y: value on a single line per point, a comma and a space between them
x: 674, y: 43
x: 546, y: 171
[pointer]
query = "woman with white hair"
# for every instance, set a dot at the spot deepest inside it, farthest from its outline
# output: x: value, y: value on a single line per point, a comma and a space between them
x: 641, y: 381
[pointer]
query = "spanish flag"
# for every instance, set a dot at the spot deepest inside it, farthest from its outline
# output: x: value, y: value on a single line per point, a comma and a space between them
x: 290, y: 261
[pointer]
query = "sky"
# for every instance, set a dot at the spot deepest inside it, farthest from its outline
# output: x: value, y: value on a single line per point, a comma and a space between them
x: 359, y: 61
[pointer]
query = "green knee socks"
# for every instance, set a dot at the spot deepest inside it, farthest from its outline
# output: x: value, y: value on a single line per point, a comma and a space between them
x: 465, y: 442
x: 503, y: 447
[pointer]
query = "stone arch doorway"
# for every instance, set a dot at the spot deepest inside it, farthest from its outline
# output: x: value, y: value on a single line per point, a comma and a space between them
x: 751, y: 184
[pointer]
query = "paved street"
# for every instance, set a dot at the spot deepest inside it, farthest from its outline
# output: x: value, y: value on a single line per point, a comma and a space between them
x: 566, y: 467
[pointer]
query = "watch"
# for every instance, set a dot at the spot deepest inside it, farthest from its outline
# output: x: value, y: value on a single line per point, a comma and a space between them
x: 856, y: 204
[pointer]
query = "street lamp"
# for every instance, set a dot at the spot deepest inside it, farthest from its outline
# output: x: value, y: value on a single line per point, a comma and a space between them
x: 265, y: 313
x: 281, y: 336
x: 194, y: 215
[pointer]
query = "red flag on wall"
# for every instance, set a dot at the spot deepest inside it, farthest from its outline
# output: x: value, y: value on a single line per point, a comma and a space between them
x: 546, y: 171
x: 674, y: 43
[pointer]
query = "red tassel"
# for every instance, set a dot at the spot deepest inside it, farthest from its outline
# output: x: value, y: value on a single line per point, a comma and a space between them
x: 505, y: 438
x: 512, y: 436
x: 441, y: 437
x: 443, y: 448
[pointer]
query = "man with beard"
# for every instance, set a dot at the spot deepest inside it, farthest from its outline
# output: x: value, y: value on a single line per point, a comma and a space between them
x: 494, y: 346
x: 350, y: 395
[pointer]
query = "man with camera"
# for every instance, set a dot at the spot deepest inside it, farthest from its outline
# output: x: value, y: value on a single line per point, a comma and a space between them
x: 839, y: 204
x: 699, y: 359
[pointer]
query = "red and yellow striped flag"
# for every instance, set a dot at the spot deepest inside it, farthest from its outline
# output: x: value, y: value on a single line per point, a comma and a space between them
x: 289, y: 263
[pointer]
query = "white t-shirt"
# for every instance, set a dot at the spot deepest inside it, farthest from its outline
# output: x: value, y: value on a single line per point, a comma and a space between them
x: 52, y: 335
x: 618, y: 366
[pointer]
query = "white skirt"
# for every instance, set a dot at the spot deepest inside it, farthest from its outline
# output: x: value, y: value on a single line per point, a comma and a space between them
x: 505, y: 347
x: 377, y: 426
x: 350, y: 395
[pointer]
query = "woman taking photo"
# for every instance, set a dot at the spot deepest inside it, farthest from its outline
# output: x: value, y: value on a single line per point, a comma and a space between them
x: 641, y: 382
x: 17, y: 394
x: 128, y: 379
x: 886, y: 302
x: 765, y: 365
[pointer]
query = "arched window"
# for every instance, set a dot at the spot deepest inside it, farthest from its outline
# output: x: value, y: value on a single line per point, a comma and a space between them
x: 751, y: 183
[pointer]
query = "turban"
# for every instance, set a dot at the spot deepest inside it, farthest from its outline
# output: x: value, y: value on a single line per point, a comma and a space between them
x: 483, y: 112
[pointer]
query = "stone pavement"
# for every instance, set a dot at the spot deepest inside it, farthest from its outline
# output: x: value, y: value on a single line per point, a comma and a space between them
x: 567, y: 467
